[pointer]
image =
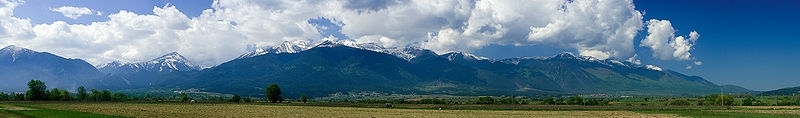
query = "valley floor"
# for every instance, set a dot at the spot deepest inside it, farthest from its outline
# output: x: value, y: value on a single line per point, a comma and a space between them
x: 126, y: 109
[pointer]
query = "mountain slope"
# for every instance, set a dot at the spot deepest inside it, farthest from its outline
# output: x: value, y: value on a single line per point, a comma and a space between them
x: 331, y: 68
x: 19, y: 65
x: 318, y: 71
x: 783, y: 91
x: 145, y: 74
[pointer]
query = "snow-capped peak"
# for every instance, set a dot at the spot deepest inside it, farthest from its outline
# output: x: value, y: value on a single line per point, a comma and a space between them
x: 15, y: 51
x: 174, y: 61
x: 112, y: 64
x: 564, y: 55
x: 452, y: 55
x: 167, y: 63
x: 285, y: 47
x: 333, y: 43
x: 11, y: 49
x: 407, y: 53
x: 172, y: 57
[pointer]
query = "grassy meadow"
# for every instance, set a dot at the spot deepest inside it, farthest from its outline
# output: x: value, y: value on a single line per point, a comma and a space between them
x: 138, y: 109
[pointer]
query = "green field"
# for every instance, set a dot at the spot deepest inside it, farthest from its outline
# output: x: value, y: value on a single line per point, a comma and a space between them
x: 128, y: 109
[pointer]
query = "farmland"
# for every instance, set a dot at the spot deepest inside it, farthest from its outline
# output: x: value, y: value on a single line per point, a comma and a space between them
x: 129, y: 109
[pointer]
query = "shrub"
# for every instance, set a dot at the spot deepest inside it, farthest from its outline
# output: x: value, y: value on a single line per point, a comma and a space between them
x: 678, y: 102
x: 485, y: 100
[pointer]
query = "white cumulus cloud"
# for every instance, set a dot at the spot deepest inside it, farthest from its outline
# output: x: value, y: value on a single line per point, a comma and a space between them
x: 13, y: 29
x: 665, y: 45
x: 602, y: 29
x: 75, y: 12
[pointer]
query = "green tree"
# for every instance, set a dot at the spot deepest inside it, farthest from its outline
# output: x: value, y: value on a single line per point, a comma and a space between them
x: 105, y: 95
x: 485, y: 100
x: 304, y: 98
x: 119, y: 97
x: 549, y: 101
x: 748, y: 101
x: 95, y: 96
x: 184, y: 97
x: 82, y: 95
x: 509, y: 100
x: 4, y: 96
x: 717, y: 99
x: 560, y: 101
x: 247, y: 99
x: 235, y: 98
x: 54, y: 95
x: 274, y: 93
x: 63, y: 95
x: 19, y: 96
x: 37, y: 90
x: 575, y: 100
x: 682, y: 102
x: 786, y: 101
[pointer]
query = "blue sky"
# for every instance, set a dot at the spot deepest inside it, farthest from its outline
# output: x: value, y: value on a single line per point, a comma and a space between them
x: 748, y: 43
x: 753, y: 44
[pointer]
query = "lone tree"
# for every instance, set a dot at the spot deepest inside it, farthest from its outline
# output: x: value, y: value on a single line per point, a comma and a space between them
x: 236, y: 98
x: 274, y: 93
x: 184, y: 97
x: 36, y: 90
x: 82, y: 95
x: 304, y: 98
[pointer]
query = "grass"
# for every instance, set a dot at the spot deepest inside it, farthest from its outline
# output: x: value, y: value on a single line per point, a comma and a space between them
x: 272, y: 110
x: 717, y: 114
x: 17, y: 111
x: 8, y: 114
x: 129, y: 109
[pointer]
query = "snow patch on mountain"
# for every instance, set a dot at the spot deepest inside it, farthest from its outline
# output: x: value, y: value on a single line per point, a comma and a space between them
x: 652, y: 67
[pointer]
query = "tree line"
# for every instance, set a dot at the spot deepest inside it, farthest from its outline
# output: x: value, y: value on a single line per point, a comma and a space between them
x: 37, y: 91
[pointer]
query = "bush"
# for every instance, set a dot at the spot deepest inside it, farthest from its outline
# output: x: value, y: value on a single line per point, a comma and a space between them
x: 716, y: 99
x: 682, y: 102
x: 509, y: 100
x: 549, y: 101
x: 431, y: 101
x: 485, y: 100
x: 575, y: 100
x: 235, y: 98
x: 247, y: 100
x: 119, y: 97
x: 304, y: 98
x: 184, y: 97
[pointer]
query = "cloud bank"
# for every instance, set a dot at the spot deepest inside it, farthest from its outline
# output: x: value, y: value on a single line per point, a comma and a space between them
x: 602, y: 29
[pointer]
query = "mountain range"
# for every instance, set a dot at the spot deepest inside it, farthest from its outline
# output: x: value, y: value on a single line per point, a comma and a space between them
x: 343, y: 66
x: 19, y: 65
